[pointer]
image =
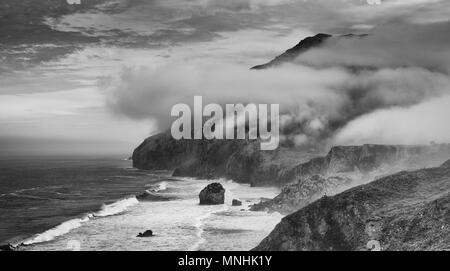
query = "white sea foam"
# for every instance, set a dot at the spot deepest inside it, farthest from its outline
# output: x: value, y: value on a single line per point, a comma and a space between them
x: 199, y: 225
x: 59, y: 230
x: 116, y: 207
x: 65, y: 227
x: 15, y: 193
x: 179, y: 224
x: 161, y: 187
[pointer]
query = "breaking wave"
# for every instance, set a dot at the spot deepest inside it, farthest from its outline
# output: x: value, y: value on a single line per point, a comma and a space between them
x: 65, y: 227
x: 161, y: 187
x: 116, y: 207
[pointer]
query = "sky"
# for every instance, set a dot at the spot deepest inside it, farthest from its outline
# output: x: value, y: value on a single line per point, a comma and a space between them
x: 106, y: 97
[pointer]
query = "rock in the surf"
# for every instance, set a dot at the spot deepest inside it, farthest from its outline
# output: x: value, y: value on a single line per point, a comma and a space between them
x: 213, y: 194
x: 148, y: 233
x: 148, y: 196
x: 236, y: 202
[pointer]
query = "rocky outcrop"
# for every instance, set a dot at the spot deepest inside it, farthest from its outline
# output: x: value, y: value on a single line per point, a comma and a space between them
x: 243, y: 161
x: 148, y: 233
x: 236, y: 202
x: 346, y: 167
x: 297, y: 195
x: 303, y: 46
x: 294, y: 52
x: 404, y: 211
x: 213, y: 194
x: 446, y: 164
x: 240, y: 160
x: 148, y: 196
x: 374, y: 160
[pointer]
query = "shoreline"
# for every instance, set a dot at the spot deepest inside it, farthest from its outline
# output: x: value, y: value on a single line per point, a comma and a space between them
x: 71, y: 224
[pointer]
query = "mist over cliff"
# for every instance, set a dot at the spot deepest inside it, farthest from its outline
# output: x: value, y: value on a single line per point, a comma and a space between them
x: 379, y: 71
x: 344, y: 89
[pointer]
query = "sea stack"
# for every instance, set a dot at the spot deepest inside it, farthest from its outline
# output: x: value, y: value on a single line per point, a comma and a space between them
x: 213, y: 194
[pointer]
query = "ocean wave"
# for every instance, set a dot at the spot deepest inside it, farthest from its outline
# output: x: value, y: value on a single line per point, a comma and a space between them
x: 116, y: 207
x: 59, y: 230
x: 15, y: 193
x: 154, y: 188
x: 67, y: 226
x: 160, y: 187
x: 124, y: 177
x: 28, y: 197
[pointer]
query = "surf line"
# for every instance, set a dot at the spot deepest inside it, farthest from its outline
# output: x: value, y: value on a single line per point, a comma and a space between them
x: 106, y: 210
x: 199, y: 225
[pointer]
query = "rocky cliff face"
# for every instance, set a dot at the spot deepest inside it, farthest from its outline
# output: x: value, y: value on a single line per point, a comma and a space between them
x: 404, y: 211
x: 374, y: 160
x: 307, y: 190
x: 346, y: 167
x: 243, y: 161
x: 240, y: 160
x: 302, y: 47
x: 213, y: 194
x: 294, y: 52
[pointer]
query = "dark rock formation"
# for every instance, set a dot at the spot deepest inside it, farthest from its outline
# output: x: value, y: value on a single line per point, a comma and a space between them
x: 236, y: 202
x: 147, y: 196
x: 213, y: 194
x: 243, y: 161
x: 306, y: 190
x: 404, y: 211
x: 370, y: 159
x: 446, y: 164
x: 294, y: 52
x: 240, y: 160
x: 303, y: 46
x: 148, y: 233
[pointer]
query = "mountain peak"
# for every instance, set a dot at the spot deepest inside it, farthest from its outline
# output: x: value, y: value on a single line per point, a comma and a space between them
x: 303, y: 46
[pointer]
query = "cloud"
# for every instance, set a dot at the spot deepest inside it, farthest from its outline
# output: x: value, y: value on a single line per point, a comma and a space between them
x: 197, y: 20
x: 418, y: 124
x: 397, y: 66
x: 392, y: 45
x: 314, y: 103
x: 205, y: 47
x: 240, y: 5
x: 151, y: 92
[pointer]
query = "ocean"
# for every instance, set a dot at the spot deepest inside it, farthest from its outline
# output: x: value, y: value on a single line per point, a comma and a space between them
x: 91, y: 204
